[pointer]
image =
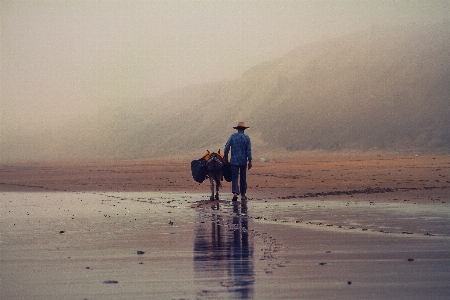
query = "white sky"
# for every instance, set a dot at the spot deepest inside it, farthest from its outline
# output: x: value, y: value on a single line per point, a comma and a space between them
x: 59, y: 59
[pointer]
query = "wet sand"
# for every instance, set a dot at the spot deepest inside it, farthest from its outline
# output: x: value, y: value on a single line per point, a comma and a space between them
x: 321, y: 227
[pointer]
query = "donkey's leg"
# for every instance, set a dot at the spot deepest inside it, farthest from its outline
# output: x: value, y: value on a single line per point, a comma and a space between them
x: 211, y: 181
x: 217, y: 190
x: 217, y: 187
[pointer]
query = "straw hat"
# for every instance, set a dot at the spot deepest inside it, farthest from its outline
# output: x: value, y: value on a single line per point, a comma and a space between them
x: 241, y: 125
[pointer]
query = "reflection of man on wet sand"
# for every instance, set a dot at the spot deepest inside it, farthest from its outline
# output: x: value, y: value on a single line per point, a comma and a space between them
x: 241, y: 152
x: 224, y: 251
x: 242, y: 253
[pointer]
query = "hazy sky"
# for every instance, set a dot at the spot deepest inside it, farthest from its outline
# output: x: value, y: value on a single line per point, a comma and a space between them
x: 62, y: 58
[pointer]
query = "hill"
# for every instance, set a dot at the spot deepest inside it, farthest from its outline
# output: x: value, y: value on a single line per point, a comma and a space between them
x: 385, y: 88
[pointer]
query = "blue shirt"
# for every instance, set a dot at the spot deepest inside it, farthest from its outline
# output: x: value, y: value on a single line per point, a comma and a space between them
x: 241, y: 148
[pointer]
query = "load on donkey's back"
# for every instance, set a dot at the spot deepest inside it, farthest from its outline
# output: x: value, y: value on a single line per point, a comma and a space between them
x: 212, y: 166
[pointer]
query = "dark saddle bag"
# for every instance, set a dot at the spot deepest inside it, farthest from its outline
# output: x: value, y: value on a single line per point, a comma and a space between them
x: 198, y: 168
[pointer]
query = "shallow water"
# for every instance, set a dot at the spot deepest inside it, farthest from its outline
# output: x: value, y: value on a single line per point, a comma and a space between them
x: 108, y: 245
x: 181, y: 246
x: 396, y: 217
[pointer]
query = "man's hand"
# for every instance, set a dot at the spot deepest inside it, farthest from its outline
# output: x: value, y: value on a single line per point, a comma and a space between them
x: 249, y: 166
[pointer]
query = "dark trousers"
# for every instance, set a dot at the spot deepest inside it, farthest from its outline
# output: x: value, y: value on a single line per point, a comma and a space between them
x: 239, y: 172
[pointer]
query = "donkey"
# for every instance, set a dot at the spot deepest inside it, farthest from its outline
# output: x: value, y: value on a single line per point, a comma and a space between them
x: 214, y: 166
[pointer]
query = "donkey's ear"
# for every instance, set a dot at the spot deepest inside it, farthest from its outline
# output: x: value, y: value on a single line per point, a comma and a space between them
x: 219, y: 151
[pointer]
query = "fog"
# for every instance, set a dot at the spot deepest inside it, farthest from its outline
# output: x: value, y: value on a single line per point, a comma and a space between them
x: 63, y: 62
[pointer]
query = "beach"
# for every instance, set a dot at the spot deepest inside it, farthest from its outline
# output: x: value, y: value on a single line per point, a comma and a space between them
x: 349, y: 226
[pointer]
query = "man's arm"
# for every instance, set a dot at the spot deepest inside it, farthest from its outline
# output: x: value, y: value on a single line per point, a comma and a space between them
x: 226, y: 150
x: 249, y: 154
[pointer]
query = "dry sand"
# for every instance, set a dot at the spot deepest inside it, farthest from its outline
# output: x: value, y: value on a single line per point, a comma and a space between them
x: 315, y: 227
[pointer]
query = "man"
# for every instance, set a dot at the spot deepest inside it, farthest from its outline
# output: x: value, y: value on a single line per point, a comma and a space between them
x: 241, y: 152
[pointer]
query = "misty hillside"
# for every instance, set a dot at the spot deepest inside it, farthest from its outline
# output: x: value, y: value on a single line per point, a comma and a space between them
x: 385, y: 88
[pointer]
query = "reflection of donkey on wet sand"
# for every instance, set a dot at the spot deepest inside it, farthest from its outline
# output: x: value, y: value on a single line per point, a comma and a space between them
x: 212, y: 166
x: 223, y: 251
